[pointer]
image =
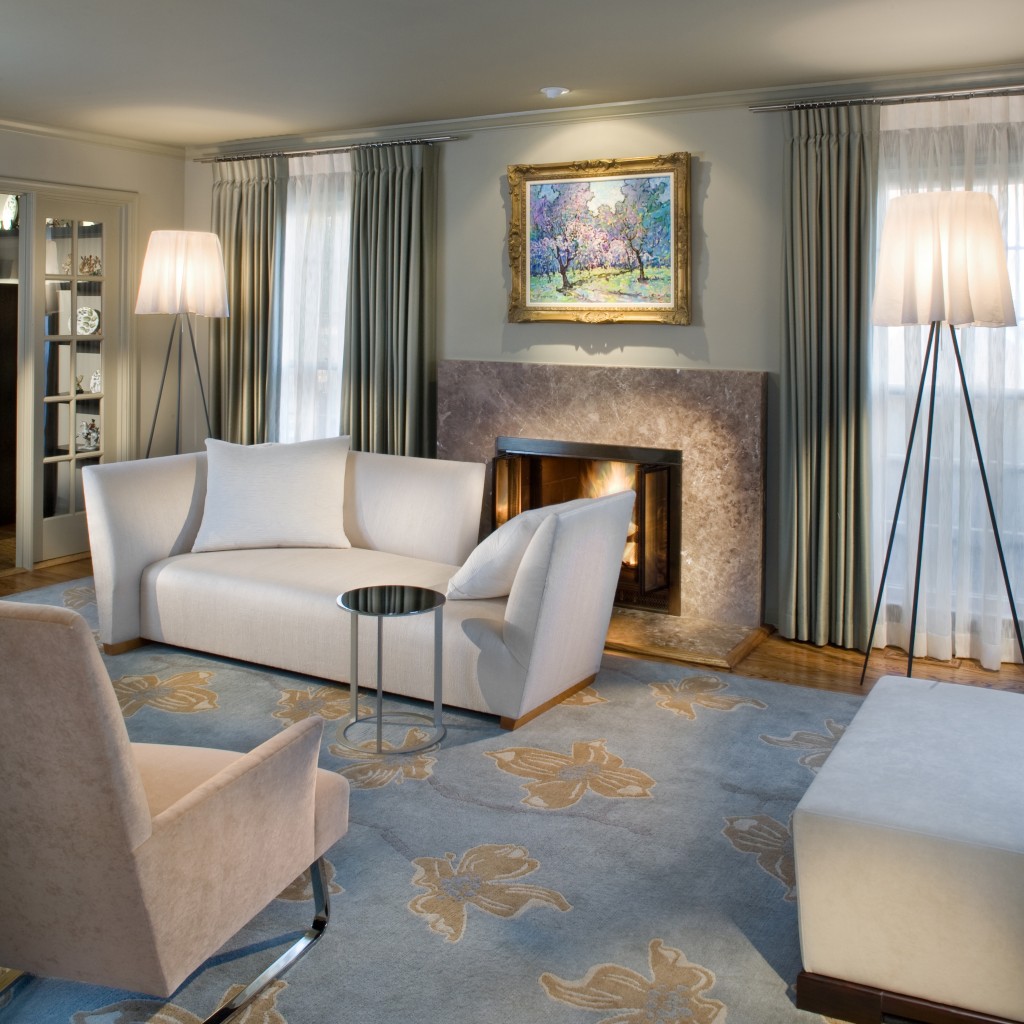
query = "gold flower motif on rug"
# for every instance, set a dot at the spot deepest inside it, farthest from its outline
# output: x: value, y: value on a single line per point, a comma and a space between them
x: 78, y: 597
x: 329, y: 702
x: 684, y: 697
x: 262, y: 1010
x: 486, y: 877
x: 673, y: 994
x: 770, y: 841
x: 817, y: 745
x: 184, y: 693
x: 374, y: 771
x: 301, y: 890
x: 561, y: 780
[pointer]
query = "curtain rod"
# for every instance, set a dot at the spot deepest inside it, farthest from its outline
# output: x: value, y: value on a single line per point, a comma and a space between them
x: 958, y: 94
x: 227, y: 158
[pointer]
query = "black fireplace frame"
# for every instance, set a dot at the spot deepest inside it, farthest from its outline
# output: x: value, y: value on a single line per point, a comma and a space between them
x: 669, y: 459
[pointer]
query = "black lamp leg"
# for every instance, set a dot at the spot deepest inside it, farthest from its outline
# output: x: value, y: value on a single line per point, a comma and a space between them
x: 899, y: 496
x: 924, y: 507
x: 163, y: 380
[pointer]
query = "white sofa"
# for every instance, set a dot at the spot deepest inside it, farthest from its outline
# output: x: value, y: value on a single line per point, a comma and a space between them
x: 409, y: 521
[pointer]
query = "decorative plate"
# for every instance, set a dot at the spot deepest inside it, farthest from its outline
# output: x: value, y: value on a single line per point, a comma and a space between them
x: 88, y: 320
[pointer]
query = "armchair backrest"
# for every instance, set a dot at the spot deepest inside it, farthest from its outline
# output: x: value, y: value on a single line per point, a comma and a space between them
x: 72, y: 803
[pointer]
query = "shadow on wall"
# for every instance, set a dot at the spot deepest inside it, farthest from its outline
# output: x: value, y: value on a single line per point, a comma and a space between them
x: 688, y: 341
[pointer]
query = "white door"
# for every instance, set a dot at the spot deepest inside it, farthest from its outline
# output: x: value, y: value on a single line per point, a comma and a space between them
x: 73, y: 355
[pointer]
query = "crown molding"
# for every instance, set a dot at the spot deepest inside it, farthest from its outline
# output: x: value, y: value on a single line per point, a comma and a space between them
x: 893, y: 87
x: 94, y: 138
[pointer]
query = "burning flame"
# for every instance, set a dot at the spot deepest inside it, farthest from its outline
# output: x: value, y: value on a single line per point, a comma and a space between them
x: 601, y: 478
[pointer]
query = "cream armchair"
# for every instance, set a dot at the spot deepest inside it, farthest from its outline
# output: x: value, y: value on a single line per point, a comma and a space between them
x: 129, y: 864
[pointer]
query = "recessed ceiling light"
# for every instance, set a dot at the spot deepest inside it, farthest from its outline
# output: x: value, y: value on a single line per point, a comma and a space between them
x: 554, y: 91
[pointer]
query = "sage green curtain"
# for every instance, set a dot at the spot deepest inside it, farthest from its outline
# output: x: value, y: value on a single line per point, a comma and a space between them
x: 389, y: 383
x: 824, y: 545
x: 248, y: 214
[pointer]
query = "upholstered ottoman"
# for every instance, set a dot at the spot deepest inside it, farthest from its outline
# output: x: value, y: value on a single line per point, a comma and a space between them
x: 909, y: 852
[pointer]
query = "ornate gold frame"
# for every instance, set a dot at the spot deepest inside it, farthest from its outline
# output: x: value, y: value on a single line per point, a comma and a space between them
x: 521, y: 176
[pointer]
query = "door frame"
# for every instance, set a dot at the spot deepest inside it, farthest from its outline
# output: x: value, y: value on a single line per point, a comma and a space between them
x: 124, y: 206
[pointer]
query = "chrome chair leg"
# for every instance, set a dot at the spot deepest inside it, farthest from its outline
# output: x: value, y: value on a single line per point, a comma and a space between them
x: 321, y: 917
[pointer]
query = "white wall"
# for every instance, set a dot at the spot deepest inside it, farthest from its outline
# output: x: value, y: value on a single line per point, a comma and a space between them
x: 736, y: 243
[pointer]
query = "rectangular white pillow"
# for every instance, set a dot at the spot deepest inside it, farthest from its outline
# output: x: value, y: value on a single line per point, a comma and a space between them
x: 274, y: 495
x: 492, y: 565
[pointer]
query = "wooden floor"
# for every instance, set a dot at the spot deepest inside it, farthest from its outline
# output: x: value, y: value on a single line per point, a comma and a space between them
x: 826, y: 668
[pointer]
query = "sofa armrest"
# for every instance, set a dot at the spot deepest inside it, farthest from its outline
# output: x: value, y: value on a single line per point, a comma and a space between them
x: 558, y: 610
x: 138, y: 512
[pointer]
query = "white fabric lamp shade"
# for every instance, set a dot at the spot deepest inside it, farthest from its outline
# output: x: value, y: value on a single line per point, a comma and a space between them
x: 943, y: 258
x: 183, y: 273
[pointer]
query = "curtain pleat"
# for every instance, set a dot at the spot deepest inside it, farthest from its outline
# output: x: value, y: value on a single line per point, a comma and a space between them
x: 825, y: 571
x: 389, y: 375
x: 248, y: 215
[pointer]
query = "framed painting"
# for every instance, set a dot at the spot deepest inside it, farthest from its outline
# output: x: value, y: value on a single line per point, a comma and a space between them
x: 601, y: 241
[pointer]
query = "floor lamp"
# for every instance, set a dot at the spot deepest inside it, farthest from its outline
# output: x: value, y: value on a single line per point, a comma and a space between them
x: 183, y: 274
x: 942, y: 260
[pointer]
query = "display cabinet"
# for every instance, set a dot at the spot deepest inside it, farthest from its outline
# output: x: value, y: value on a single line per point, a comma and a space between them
x: 73, y: 360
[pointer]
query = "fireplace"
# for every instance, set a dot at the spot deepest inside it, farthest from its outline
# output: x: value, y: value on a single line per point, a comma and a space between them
x: 530, y: 473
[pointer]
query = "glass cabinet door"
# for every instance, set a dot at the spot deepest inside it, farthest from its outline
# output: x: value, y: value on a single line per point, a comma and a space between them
x: 76, y: 327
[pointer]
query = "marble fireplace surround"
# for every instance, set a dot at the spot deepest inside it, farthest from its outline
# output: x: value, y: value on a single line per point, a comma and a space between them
x: 715, y: 417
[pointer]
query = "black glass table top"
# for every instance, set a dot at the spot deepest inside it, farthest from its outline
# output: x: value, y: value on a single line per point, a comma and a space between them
x: 390, y: 600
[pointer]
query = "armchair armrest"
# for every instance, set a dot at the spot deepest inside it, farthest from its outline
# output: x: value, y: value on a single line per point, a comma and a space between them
x: 223, y: 851
x: 138, y: 512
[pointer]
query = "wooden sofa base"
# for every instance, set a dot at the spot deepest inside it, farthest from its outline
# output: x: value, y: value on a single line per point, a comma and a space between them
x: 861, y: 1004
x: 514, y: 723
x: 124, y: 646
x: 506, y: 723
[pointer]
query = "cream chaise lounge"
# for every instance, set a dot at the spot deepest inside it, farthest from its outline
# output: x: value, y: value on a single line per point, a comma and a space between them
x: 242, y: 552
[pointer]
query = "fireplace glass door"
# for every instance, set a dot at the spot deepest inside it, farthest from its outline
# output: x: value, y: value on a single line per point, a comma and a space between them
x: 531, y: 474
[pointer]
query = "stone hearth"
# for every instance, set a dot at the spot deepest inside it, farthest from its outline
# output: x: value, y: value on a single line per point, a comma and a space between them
x: 716, y: 418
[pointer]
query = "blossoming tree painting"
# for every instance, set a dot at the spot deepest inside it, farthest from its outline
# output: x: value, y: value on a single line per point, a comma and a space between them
x: 602, y: 241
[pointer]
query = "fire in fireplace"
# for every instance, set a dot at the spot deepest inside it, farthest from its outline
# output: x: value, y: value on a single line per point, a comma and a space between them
x: 530, y: 473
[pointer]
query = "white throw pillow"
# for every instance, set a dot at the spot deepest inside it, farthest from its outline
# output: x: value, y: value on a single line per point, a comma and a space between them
x: 492, y: 565
x: 274, y: 495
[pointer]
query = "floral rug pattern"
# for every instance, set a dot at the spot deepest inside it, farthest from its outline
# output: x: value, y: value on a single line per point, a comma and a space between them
x: 625, y: 858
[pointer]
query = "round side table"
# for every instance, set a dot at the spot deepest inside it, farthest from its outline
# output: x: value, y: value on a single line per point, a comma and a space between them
x: 388, y: 602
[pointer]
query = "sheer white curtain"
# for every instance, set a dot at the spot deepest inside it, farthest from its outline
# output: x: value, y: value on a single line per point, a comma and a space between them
x: 307, y: 371
x: 978, y: 145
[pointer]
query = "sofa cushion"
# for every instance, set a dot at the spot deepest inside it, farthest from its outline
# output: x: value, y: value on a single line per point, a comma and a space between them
x: 274, y: 495
x: 492, y: 565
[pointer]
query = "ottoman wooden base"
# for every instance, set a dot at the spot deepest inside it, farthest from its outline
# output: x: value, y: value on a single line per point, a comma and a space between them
x: 859, y: 1004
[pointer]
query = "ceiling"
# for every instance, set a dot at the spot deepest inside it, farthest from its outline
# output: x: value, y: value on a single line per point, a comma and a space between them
x: 200, y: 72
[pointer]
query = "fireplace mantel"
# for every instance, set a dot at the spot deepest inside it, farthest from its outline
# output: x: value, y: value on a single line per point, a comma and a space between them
x: 716, y: 418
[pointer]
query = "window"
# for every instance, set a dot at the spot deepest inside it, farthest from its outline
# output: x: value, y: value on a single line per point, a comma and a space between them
x: 979, y: 145
x: 306, y: 381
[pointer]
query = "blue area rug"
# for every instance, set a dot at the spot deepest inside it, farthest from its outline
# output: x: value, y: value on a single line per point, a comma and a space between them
x: 623, y: 859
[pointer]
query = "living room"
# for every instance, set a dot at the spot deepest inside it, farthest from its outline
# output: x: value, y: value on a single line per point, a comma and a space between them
x: 158, y: 155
